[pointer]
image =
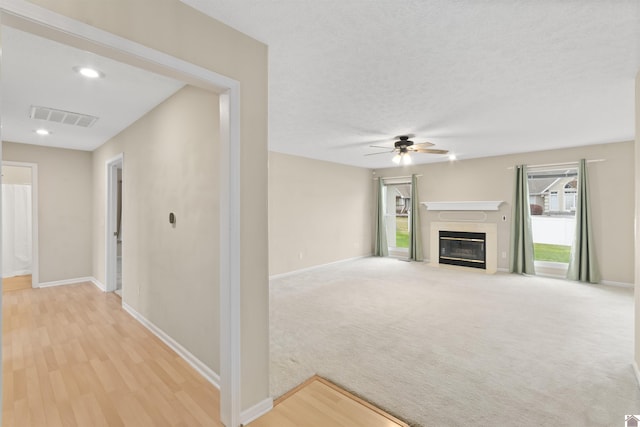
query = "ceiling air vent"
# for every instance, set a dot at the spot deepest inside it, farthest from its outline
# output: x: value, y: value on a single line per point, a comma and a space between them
x: 60, y: 116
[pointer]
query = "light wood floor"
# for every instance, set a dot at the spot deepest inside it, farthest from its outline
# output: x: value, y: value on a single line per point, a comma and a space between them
x: 319, y: 403
x: 16, y: 283
x: 73, y: 357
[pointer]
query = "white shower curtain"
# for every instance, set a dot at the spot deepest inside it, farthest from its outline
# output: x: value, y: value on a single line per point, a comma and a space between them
x: 16, y: 230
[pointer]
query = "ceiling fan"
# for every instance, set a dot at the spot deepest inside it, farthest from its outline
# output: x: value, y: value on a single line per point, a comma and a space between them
x: 403, y: 146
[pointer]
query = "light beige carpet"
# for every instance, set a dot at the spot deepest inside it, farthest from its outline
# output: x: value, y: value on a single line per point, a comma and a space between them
x: 437, y: 347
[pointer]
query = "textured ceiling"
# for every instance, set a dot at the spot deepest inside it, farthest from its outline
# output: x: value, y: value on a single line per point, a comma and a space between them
x: 39, y: 72
x: 479, y: 78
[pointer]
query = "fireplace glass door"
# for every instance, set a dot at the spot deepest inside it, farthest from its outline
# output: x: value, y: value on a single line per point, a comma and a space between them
x: 463, y: 249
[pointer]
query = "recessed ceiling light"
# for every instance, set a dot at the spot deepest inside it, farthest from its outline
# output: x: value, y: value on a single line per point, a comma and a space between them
x: 43, y: 132
x: 88, y: 72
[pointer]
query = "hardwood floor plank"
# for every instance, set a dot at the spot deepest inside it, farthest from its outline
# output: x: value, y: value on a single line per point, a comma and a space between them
x: 34, y: 397
x: 108, y: 409
x: 107, y: 375
x: 87, y: 411
x: 19, y: 385
x: 52, y: 415
x: 165, y: 409
x: 130, y: 380
x: 66, y: 414
x: 21, y: 413
x: 59, y: 387
x: 50, y: 358
x: 193, y: 408
x: 131, y: 411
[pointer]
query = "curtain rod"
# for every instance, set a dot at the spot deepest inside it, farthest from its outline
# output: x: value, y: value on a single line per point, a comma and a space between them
x: 395, y: 177
x: 548, y: 165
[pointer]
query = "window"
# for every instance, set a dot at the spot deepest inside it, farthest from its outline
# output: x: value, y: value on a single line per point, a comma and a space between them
x: 552, y: 198
x: 397, y: 216
x: 553, y: 201
x: 570, y: 195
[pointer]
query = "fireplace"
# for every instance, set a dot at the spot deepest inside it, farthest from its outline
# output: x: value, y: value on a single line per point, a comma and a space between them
x: 462, y: 248
x: 489, y: 229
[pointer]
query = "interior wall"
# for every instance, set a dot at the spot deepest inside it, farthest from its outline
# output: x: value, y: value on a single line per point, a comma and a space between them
x: 611, y: 192
x: 319, y: 212
x: 16, y: 175
x: 170, y: 273
x: 185, y: 33
x: 64, y: 208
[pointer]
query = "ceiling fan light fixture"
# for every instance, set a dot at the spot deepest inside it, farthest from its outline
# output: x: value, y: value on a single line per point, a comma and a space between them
x: 396, y: 159
x: 452, y: 157
x: 406, y: 159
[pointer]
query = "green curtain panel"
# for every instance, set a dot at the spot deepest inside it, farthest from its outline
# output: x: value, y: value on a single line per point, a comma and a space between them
x: 582, y: 264
x: 415, y: 236
x: 381, y: 248
x: 521, y: 244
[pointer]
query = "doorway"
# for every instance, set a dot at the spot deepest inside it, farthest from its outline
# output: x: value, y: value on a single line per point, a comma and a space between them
x: 19, y: 225
x: 114, y: 235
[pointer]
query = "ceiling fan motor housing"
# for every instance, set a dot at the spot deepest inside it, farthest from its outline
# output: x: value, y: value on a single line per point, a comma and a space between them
x: 403, y: 143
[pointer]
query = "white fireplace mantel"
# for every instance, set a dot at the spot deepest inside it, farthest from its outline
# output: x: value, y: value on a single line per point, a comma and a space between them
x: 492, y: 205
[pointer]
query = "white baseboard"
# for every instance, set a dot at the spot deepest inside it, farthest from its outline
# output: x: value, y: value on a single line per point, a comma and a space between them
x: 602, y: 282
x: 256, y: 411
x: 313, y: 267
x: 195, y: 363
x: 619, y: 284
x: 73, y: 282
x: 65, y: 282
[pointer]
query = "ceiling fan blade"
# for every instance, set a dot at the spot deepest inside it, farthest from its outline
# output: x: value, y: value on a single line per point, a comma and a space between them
x: 430, y: 151
x: 381, y: 152
x: 379, y: 146
x: 423, y: 144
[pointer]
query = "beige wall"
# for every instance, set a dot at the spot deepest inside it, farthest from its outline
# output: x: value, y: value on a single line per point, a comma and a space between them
x: 16, y: 175
x: 182, y: 32
x: 611, y: 192
x: 170, y: 274
x: 319, y: 212
x: 64, y: 208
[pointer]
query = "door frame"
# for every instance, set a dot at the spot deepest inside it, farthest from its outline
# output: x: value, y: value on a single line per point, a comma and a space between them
x: 111, y: 221
x: 35, y: 267
x: 27, y: 16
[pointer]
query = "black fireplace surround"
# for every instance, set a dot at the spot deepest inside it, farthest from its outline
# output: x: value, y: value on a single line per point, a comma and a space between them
x: 463, y: 249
